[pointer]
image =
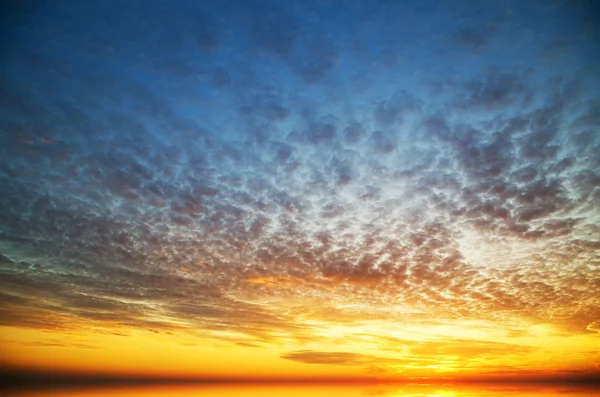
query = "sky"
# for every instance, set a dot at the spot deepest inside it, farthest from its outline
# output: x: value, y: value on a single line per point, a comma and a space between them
x: 319, y: 189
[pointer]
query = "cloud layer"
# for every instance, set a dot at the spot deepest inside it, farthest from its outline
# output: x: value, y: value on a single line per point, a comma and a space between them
x: 256, y: 167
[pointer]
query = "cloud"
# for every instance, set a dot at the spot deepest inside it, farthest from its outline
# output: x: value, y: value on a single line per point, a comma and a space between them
x: 338, y: 358
x: 332, y: 358
x: 466, y: 348
x: 470, y: 39
x: 594, y: 326
x: 289, y: 166
x: 495, y: 91
x: 55, y: 344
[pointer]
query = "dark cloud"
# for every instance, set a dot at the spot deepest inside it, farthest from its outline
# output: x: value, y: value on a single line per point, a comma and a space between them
x: 557, y: 48
x: 274, y: 29
x: 470, y: 39
x: 353, y: 133
x: 382, y: 142
x: 336, y: 358
x: 320, y: 132
x: 388, y: 113
x: 220, y: 78
x: 315, y: 58
x: 333, y: 358
x: 496, y: 90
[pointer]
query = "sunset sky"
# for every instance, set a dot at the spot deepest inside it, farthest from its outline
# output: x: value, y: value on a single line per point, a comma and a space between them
x: 323, y: 189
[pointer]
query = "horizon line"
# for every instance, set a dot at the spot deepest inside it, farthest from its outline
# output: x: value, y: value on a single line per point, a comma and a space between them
x: 11, y: 378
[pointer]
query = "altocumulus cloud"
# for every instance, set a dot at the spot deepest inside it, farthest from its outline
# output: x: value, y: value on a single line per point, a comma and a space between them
x: 151, y: 174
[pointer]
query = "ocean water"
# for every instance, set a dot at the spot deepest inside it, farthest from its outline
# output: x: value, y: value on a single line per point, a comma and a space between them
x: 298, y: 390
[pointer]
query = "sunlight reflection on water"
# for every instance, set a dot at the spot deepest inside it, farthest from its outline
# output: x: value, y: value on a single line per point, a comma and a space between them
x: 295, y: 390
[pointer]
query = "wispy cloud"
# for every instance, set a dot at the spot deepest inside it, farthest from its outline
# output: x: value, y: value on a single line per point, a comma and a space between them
x: 340, y: 358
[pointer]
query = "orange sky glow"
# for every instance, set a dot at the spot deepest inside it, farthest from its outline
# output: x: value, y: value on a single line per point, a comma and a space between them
x: 393, y: 344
